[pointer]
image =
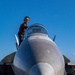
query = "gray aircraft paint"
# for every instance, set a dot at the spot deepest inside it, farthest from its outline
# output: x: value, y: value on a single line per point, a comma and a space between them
x: 38, y: 55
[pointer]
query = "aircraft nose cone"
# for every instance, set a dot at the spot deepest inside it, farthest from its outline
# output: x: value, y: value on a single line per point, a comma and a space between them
x: 42, y: 69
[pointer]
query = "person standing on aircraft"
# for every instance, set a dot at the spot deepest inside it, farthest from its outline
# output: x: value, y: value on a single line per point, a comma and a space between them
x: 22, y: 29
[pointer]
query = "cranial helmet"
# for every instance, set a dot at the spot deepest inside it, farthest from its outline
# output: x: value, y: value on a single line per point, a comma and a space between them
x: 26, y: 17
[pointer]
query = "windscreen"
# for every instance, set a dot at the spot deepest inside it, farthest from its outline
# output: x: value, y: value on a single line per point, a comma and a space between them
x: 37, y: 28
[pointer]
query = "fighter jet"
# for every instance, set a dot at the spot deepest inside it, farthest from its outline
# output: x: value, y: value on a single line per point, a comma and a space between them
x: 37, y: 55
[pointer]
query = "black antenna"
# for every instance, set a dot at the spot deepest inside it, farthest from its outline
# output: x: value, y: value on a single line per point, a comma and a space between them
x: 54, y: 38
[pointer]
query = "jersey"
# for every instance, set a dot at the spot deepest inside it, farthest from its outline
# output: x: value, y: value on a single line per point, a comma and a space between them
x: 22, y: 29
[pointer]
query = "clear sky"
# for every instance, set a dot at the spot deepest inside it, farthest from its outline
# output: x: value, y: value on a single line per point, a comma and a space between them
x: 58, y: 16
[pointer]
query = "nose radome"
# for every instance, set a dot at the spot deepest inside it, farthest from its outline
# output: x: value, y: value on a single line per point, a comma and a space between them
x: 42, y: 69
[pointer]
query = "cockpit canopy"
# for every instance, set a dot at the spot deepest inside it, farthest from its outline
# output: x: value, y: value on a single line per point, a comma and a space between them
x: 37, y: 28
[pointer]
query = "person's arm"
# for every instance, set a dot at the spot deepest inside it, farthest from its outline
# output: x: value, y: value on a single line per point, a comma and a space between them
x: 25, y: 25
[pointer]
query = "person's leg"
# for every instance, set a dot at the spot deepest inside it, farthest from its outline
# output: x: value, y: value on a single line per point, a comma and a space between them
x: 21, y: 38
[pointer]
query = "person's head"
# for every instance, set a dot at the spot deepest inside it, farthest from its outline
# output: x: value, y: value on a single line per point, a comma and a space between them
x: 27, y: 18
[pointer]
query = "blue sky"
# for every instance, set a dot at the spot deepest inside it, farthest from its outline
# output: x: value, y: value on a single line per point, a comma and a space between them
x: 58, y: 16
